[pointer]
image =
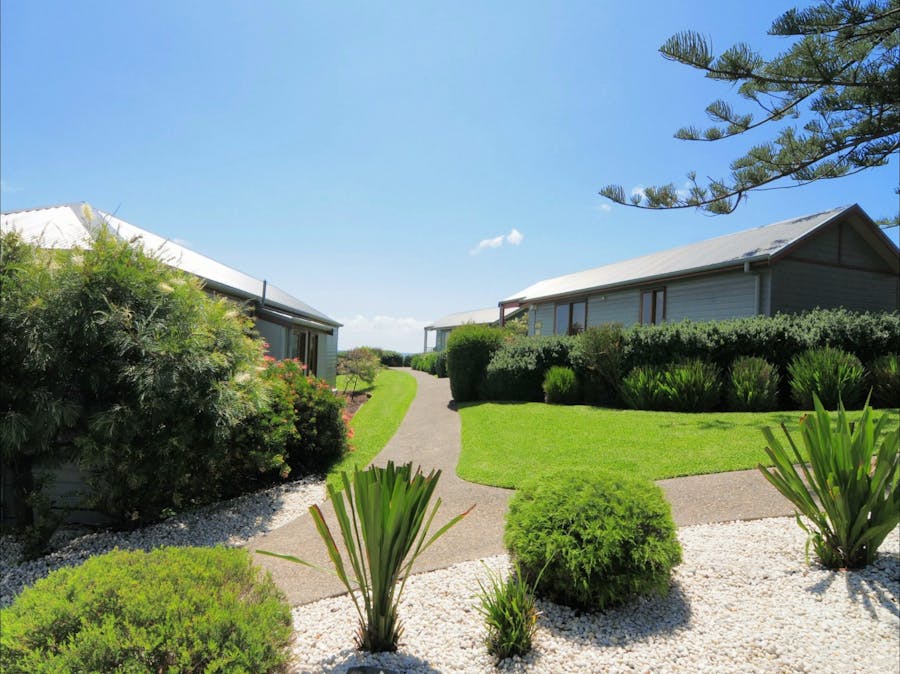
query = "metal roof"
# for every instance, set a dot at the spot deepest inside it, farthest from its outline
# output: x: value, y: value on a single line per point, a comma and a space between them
x: 479, y: 316
x: 72, y: 225
x: 751, y: 245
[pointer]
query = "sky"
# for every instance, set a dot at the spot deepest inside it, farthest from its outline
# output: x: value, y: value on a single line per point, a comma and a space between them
x: 387, y: 163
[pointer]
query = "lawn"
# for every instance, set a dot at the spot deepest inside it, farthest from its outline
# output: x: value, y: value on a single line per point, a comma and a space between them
x: 505, y: 442
x: 377, y: 420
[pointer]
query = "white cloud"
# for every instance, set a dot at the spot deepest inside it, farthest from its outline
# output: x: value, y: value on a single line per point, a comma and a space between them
x: 387, y: 332
x: 7, y: 188
x: 604, y: 208
x: 514, y: 238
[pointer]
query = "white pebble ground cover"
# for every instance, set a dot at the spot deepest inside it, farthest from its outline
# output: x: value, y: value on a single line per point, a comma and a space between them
x: 743, y: 600
x: 232, y: 522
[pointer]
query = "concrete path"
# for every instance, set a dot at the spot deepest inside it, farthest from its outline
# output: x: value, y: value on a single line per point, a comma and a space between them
x: 430, y: 437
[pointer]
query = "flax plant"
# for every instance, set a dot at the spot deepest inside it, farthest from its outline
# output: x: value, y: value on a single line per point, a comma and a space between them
x: 510, y: 615
x: 384, y: 525
x: 850, y: 492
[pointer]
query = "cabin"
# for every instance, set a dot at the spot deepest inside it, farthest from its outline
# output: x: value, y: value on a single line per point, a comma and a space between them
x: 292, y: 328
x: 444, y: 326
x: 837, y: 258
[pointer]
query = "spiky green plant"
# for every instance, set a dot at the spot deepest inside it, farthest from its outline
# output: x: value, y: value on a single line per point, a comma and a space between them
x: 384, y: 526
x: 850, y: 492
x: 508, y: 607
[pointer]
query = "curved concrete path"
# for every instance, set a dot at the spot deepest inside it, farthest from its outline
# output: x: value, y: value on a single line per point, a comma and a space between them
x: 430, y: 437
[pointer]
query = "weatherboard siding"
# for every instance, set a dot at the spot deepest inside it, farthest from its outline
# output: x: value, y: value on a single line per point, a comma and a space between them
x: 327, y: 365
x: 613, y: 307
x: 712, y: 298
x: 799, y: 286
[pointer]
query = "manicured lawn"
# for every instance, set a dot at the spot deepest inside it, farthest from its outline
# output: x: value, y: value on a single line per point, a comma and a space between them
x: 502, y: 443
x: 377, y: 420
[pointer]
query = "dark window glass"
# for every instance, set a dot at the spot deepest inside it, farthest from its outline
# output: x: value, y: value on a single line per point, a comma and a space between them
x: 659, y: 314
x: 653, y: 306
x: 647, y: 308
x: 579, y: 317
x: 562, y: 319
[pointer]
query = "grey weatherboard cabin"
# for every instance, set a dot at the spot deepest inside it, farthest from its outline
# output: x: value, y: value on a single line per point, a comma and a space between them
x: 292, y: 328
x: 444, y: 326
x: 838, y: 258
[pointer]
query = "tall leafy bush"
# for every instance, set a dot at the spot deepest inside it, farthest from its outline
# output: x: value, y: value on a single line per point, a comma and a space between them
x: 469, y: 350
x: 599, y: 357
x: 850, y: 493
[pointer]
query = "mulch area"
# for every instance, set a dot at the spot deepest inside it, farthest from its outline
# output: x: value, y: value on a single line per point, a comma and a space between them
x: 353, y: 401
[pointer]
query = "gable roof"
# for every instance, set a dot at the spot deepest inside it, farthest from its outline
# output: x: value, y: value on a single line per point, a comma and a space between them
x: 73, y: 225
x: 478, y: 316
x: 760, y: 244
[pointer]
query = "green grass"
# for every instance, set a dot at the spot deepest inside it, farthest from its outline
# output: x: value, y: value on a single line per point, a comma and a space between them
x: 361, y: 386
x: 502, y: 443
x: 377, y: 420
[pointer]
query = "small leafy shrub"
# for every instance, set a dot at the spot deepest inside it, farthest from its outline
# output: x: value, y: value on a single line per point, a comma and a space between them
x: 560, y: 386
x: 440, y: 365
x: 752, y: 385
x: 642, y: 388
x: 385, y: 532
x: 469, y: 350
x: 321, y: 430
x: 592, y: 541
x: 884, y: 376
x: 691, y: 386
x: 852, y: 500
x: 425, y: 362
x: 517, y: 369
x: 390, y: 358
x: 599, y: 358
x: 360, y: 365
x: 170, y: 610
x: 509, y: 612
x: 832, y: 375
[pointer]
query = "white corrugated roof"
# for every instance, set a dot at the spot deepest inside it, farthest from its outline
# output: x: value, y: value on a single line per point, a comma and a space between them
x: 751, y: 245
x: 478, y: 316
x: 70, y: 225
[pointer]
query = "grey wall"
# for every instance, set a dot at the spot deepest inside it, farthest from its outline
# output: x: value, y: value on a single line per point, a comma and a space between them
x: 327, y: 365
x: 714, y: 297
x: 801, y: 285
x: 276, y: 335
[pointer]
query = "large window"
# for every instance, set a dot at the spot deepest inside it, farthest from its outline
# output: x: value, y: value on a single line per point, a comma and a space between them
x: 653, y: 306
x: 305, y: 348
x: 571, y: 318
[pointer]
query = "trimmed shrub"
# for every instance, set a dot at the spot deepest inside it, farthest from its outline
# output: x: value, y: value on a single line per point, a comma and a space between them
x: 598, y: 356
x: 830, y: 374
x: 389, y: 358
x: 440, y: 365
x: 642, y: 388
x: 426, y: 362
x: 752, y: 385
x: 170, y: 610
x: 517, y: 369
x: 469, y: 350
x: 560, y: 386
x: 691, y: 386
x: 592, y: 541
x: 884, y: 376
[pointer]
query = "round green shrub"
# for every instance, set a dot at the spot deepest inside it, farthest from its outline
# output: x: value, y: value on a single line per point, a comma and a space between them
x: 469, y: 350
x: 560, y: 386
x: 884, y: 373
x: 753, y: 385
x: 592, y: 541
x: 170, y: 610
x: 831, y: 374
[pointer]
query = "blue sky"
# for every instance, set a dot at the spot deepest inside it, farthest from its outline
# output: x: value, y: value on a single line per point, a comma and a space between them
x: 356, y: 154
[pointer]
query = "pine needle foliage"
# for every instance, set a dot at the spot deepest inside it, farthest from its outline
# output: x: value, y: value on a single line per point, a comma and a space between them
x: 830, y: 100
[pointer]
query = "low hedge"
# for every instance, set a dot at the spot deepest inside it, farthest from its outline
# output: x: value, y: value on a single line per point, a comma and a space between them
x: 517, y: 369
x: 170, y: 610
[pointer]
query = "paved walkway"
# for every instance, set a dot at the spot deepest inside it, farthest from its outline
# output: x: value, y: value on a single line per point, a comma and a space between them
x: 430, y: 436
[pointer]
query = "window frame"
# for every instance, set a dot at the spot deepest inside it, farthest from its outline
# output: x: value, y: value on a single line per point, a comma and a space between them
x: 654, y: 300
x: 569, y: 306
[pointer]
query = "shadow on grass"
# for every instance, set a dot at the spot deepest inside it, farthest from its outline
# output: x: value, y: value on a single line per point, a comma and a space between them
x: 878, y: 583
x: 636, y: 621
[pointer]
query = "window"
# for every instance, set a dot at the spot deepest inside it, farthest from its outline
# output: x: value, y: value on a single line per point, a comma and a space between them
x: 571, y: 318
x: 653, y: 306
x: 305, y: 348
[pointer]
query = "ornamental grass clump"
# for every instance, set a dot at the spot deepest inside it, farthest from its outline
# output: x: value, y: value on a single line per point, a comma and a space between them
x: 592, y: 540
x: 560, y: 386
x: 384, y: 526
x: 753, y: 385
x: 832, y: 375
x: 884, y: 374
x: 849, y: 492
x: 510, y: 616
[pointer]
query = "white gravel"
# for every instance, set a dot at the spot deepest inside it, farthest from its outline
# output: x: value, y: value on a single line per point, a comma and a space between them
x: 231, y: 522
x: 743, y: 600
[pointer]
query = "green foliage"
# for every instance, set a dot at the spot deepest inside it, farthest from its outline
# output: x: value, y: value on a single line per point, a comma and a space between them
x: 440, y: 365
x: 318, y: 415
x: 469, y: 350
x: 852, y: 500
x: 560, y: 386
x: 691, y: 386
x: 428, y: 362
x: 840, y: 75
x: 129, y: 367
x: 384, y: 533
x: 884, y: 375
x: 830, y: 374
x: 599, y: 357
x: 516, y: 370
x: 642, y: 388
x: 359, y: 365
x: 170, y: 610
x: 388, y: 358
x: 752, y: 385
x: 510, y: 616
x: 592, y: 540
